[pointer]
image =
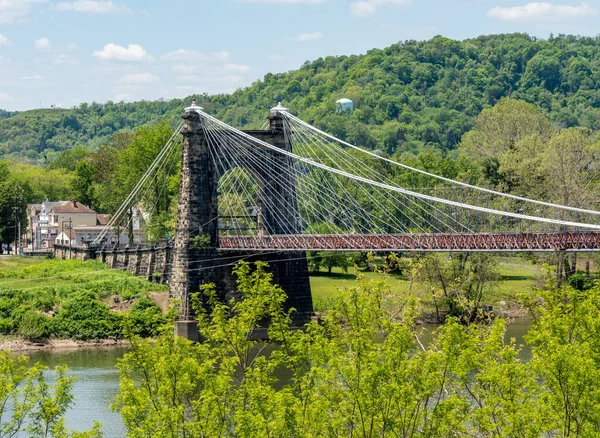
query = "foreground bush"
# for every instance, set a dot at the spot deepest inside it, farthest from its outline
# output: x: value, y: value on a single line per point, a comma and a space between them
x: 363, y: 371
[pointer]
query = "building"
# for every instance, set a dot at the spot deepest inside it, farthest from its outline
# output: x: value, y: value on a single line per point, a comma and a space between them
x: 82, y: 236
x: 72, y: 221
x: 41, y: 232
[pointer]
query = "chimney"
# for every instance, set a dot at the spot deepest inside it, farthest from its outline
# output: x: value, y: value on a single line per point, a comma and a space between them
x: 75, y: 204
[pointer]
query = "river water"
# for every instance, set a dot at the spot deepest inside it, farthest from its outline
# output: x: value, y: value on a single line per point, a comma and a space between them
x: 95, y: 389
x: 98, y: 379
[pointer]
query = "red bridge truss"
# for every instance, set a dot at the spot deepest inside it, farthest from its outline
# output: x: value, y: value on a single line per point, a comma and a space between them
x: 443, y: 242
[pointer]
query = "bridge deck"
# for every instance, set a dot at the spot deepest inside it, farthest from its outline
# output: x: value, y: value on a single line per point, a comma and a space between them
x: 505, y: 242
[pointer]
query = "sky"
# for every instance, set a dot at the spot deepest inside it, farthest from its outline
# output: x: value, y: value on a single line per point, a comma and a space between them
x: 65, y: 52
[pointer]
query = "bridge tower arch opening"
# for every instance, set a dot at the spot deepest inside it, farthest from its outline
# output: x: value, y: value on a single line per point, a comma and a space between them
x: 207, y: 169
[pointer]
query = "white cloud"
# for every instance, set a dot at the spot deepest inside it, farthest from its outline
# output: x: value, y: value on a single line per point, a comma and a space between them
x: 15, y: 11
x: 5, y: 98
x: 185, y: 69
x: 362, y: 9
x: 193, y: 56
x: 3, y: 40
x: 541, y: 11
x: 138, y: 79
x: 42, y: 43
x: 92, y: 7
x: 303, y: 37
x: 236, y: 67
x: 286, y: 2
x: 112, y: 52
x: 31, y: 78
x: 66, y: 59
x: 189, y: 89
x: 369, y: 7
x: 219, y: 79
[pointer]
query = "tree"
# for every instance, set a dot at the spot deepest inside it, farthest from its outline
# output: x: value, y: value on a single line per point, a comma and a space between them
x: 83, y: 182
x: 457, y: 282
x: 30, y: 405
x: 332, y: 259
x: 566, y: 356
x: 361, y: 371
x: 569, y: 164
x: 513, y: 133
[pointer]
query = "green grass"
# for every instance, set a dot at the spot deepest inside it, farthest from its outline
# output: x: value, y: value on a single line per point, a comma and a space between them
x: 41, y: 298
x: 10, y: 263
x: 517, y: 276
x: 29, y: 274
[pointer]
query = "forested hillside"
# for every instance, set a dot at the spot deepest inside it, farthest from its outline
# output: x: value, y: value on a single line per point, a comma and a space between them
x: 6, y: 114
x: 409, y: 96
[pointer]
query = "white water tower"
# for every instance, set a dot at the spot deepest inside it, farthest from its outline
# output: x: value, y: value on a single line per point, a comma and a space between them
x: 344, y: 105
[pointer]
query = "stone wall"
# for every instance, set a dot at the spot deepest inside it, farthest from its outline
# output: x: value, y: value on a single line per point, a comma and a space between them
x: 151, y: 262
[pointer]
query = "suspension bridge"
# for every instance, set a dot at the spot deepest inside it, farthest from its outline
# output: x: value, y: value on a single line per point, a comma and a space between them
x: 275, y: 193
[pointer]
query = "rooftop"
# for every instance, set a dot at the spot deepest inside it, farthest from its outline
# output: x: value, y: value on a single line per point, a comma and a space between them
x: 72, y: 207
x: 102, y: 219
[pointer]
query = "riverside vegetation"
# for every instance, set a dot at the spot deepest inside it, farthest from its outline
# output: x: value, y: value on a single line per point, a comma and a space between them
x: 68, y: 299
x: 361, y: 370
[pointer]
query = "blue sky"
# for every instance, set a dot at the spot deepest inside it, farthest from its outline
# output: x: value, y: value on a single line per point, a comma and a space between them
x: 64, y: 52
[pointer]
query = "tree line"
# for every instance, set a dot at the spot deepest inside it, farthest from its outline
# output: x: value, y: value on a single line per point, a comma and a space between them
x: 409, y: 97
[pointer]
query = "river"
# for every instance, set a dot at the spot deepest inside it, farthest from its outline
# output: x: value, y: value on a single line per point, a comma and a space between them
x: 98, y: 379
x: 95, y: 389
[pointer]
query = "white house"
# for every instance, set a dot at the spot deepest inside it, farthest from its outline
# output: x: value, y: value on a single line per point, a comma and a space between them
x: 78, y: 236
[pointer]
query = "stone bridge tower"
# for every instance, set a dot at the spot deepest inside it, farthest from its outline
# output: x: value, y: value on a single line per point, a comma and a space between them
x: 198, y: 213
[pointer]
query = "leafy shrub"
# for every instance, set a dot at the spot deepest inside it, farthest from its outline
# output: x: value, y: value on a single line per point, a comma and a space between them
x: 34, y: 326
x: 6, y: 326
x: 200, y: 241
x: 145, y: 318
x: 44, y: 300
x: 581, y: 281
x: 84, y: 317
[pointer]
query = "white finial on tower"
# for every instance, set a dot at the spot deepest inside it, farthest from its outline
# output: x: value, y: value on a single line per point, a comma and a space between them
x: 193, y: 107
x: 278, y: 109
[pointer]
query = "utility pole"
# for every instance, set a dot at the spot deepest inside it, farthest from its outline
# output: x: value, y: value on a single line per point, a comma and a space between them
x: 19, y: 249
x: 70, y: 236
x: 62, y: 232
x: 17, y: 211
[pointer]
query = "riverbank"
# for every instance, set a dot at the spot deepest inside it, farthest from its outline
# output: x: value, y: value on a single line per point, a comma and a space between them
x: 15, y: 344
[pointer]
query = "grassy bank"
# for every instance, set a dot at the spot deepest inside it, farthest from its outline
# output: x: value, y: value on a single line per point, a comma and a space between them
x: 517, y: 275
x: 71, y: 299
x: 42, y: 298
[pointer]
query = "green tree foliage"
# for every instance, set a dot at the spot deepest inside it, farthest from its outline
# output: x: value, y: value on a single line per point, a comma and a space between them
x: 408, y: 96
x: 145, y: 319
x: 363, y: 371
x: 457, y: 283
x: 29, y: 405
x: 329, y: 260
x: 566, y: 356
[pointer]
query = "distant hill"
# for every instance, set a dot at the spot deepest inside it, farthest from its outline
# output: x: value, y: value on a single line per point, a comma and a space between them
x: 6, y: 114
x: 409, y: 96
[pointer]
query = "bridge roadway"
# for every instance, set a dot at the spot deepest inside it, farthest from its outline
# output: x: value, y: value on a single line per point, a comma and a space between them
x: 441, y: 242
